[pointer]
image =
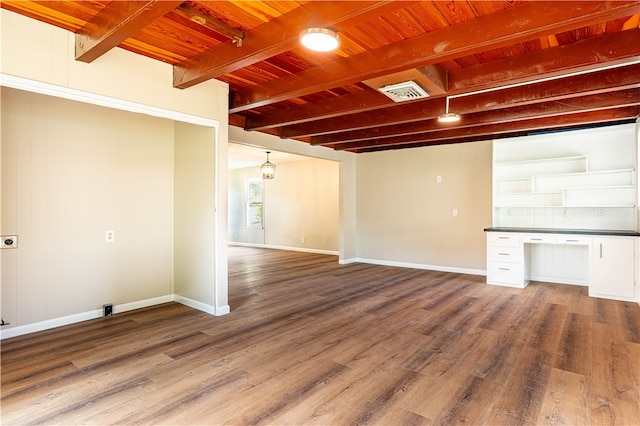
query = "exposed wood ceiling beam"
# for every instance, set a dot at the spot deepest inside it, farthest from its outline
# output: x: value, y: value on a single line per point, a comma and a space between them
x: 270, y: 39
x: 589, y: 118
x: 604, y: 50
x: 491, y: 31
x: 367, y: 100
x: 609, y: 49
x: 118, y: 21
x: 510, y: 119
x: 565, y: 89
x: 431, y: 108
x: 194, y: 15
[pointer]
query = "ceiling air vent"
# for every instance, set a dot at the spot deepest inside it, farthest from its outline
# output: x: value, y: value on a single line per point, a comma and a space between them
x: 407, y: 91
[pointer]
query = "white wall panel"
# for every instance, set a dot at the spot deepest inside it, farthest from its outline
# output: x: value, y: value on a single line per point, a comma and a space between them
x: 37, y: 51
x: 77, y: 170
x: 405, y: 216
x: 194, y: 212
x: 40, y: 58
x: 302, y: 201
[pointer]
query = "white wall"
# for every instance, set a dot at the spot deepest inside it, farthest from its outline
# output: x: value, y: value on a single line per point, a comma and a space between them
x: 393, y: 212
x: 36, y: 51
x: 40, y: 58
x: 347, y: 179
x: 71, y: 171
x: 194, y: 207
x: 405, y: 217
x: 301, y: 202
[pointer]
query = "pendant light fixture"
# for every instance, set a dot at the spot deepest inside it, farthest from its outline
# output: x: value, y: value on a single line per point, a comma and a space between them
x: 268, y: 169
x: 319, y: 39
x: 448, y: 117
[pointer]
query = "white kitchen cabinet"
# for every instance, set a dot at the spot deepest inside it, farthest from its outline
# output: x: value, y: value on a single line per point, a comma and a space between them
x: 505, y: 260
x: 613, y: 268
x: 611, y: 259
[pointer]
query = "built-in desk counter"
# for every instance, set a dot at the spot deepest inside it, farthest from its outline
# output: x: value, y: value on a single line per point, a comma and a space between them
x: 612, y: 261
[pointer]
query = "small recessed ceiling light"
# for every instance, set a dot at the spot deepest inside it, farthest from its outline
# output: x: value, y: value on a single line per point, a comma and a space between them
x: 319, y: 39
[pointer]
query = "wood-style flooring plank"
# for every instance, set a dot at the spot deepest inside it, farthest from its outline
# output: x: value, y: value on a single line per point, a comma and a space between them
x: 567, y: 400
x: 312, y: 342
x: 576, y: 345
x: 523, y: 393
x: 612, y: 365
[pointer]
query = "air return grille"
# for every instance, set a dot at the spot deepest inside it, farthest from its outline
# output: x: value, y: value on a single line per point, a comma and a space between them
x: 406, y: 91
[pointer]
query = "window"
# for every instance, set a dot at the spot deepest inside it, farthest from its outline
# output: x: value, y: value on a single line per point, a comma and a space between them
x: 253, y: 203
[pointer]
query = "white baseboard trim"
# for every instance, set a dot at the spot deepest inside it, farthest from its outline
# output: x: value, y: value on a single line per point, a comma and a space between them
x: 569, y: 281
x: 117, y: 309
x: 439, y: 268
x: 302, y: 249
x: 82, y: 316
x: 223, y: 310
x: 47, y: 324
x: 141, y: 304
x: 212, y: 310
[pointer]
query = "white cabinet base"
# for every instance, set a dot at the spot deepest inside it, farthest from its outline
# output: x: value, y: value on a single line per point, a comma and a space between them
x: 613, y: 265
x: 611, y: 260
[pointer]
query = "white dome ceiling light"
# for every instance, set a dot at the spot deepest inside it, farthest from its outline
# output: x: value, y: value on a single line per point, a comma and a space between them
x: 319, y: 39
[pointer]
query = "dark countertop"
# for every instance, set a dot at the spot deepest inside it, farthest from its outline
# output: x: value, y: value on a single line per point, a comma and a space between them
x: 613, y: 233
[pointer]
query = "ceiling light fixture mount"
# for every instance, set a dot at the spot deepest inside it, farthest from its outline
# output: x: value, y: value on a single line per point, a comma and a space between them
x: 268, y: 169
x: 319, y: 39
x: 448, y: 117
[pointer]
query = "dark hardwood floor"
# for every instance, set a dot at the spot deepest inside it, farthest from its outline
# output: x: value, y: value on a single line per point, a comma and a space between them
x: 309, y: 341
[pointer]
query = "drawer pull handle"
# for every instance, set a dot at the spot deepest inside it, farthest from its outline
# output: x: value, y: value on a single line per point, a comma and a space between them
x: 504, y: 269
x: 503, y: 254
x: 503, y: 238
x: 572, y: 241
x: 536, y: 239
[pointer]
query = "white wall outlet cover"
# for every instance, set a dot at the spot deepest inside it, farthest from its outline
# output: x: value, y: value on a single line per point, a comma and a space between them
x: 109, y: 236
x: 9, y: 241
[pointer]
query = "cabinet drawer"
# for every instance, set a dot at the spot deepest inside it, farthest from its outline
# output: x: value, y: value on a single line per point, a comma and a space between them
x: 539, y: 239
x: 506, y: 273
x: 505, y: 254
x: 573, y: 239
x: 503, y: 240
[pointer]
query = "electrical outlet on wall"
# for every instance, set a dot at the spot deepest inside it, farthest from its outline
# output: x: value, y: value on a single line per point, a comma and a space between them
x: 9, y: 241
x: 109, y: 236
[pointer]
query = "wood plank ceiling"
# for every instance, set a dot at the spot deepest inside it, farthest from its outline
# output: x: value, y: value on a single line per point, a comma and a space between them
x: 507, y: 67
